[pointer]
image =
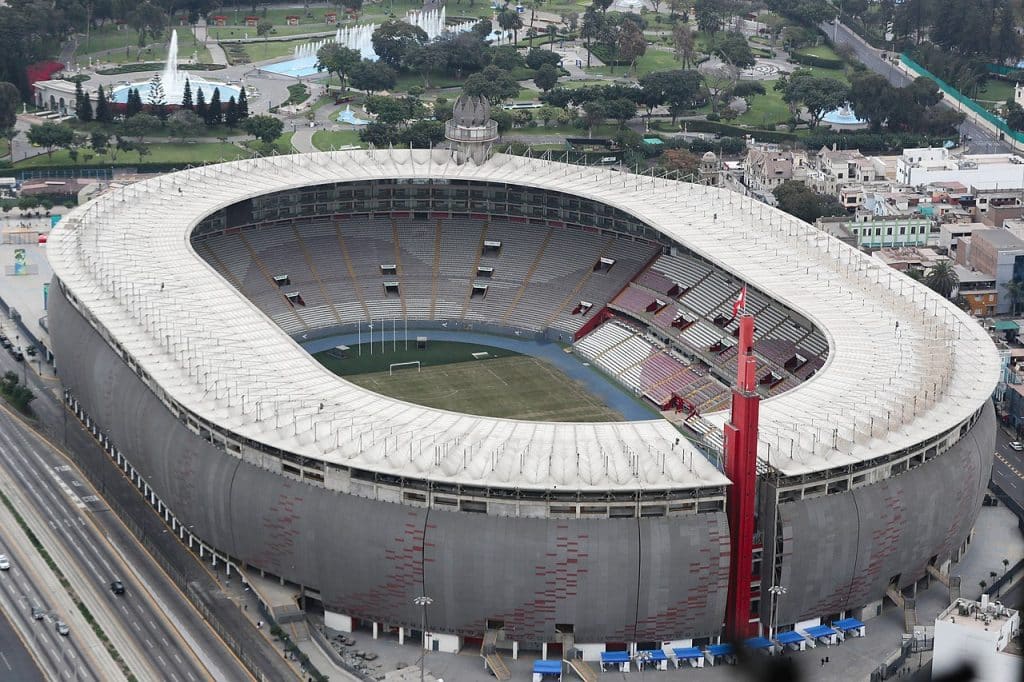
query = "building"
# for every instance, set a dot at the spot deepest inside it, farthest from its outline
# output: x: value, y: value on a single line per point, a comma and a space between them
x: 765, y: 170
x: 950, y: 232
x: 978, y: 290
x: 528, y: 533
x: 840, y: 168
x: 982, y: 634
x: 874, y: 232
x: 909, y: 258
x: 997, y: 252
x: 916, y: 167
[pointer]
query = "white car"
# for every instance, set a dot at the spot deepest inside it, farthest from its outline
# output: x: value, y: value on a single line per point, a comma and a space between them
x: 1017, y: 445
x: 62, y: 628
x: 5, y: 563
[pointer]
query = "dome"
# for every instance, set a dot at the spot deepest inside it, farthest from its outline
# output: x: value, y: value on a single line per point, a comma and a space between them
x: 471, y: 111
x: 709, y: 156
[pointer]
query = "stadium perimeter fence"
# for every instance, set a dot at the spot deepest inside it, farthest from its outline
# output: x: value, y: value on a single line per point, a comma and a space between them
x: 961, y: 99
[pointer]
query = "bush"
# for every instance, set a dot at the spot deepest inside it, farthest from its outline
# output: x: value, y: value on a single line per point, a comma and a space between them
x: 820, y: 62
x: 608, y: 55
x: 156, y: 66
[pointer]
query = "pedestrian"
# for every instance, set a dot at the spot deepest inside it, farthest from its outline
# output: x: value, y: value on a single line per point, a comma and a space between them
x: 823, y: 663
x: 826, y: 659
x: 259, y: 625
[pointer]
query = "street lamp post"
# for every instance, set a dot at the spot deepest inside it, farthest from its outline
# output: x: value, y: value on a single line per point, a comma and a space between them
x: 776, y: 592
x: 423, y: 601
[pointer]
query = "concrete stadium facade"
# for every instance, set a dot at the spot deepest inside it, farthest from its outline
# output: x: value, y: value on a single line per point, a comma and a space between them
x: 837, y: 534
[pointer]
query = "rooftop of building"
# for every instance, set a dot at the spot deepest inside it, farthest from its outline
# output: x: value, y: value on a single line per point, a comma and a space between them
x: 998, y: 238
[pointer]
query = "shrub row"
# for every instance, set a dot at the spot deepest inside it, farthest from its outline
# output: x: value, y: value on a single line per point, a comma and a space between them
x: 729, y: 130
x: 820, y: 62
x: 156, y: 66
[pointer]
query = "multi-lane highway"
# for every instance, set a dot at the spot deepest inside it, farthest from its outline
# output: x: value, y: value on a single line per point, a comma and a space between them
x: 47, y: 486
x: 1008, y: 468
x: 980, y: 140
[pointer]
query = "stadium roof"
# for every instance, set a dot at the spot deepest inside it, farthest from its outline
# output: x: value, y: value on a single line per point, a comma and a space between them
x: 904, y: 364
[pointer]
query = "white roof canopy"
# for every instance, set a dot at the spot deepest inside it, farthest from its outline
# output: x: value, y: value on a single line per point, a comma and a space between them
x: 127, y: 258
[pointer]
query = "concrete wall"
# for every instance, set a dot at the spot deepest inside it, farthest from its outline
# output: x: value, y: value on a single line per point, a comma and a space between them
x: 613, y: 579
x: 840, y: 551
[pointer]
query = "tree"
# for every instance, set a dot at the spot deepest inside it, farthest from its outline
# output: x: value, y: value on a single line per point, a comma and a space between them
x: 1014, y: 115
x: 591, y: 28
x: 552, y: 31
x: 157, y: 98
x: 186, y: 96
x: 390, y: 111
x: 1006, y: 565
x: 51, y: 135
x: 680, y: 90
x: 872, y: 97
x: 103, y: 113
x: 720, y: 80
x: 538, y: 58
x: 265, y: 128
x: 263, y: 29
x: 711, y: 15
x: 337, y: 59
x: 509, y: 20
x: 214, y: 113
x: 547, y: 77
x: 243, y: 105
x: 494, y: 84
x: 508, y: 58
x: 594, y: 113
x: 427, y: 59
x: 680, y: 161
x: 817, y: 94
x: 630, y: 44
x: 684, y: 46
x: 1015, y: 292
x: 133, y: 103
x: 801, y: 201
x: 83, y: 107
x: 734, y: 48
x: 140, y: 125
x: 231, y: 113
x: 201, y: 109
x: 942, y: 279
x: 372, y: 76
x: 393, y: 39
x: 621, y: 110
x: 98, y: 141
x: 184, y: 124
x: 423, y: 134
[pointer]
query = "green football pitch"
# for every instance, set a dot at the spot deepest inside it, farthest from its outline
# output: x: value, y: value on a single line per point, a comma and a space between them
x: 493, y: 383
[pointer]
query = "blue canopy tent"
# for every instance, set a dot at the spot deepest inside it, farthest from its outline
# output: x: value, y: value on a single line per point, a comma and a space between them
x: 691, y: 654
x: 655, y: 658
x: 847, y: 625
x: 720, y: 651
x: 760, y: 644
x: 822, y: 632
x: 792, y: 638
x: 542, y: 669
x: 619, y: 659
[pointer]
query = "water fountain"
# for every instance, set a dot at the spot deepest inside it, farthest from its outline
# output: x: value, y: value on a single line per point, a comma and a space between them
x: 359, y: 37
x: 173, y: 82
x: 348, y: 116
x: 842, y: 116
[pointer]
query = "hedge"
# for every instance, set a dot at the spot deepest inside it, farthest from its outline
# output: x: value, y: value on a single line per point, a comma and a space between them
x: 156, y: 66
x: 727, y: 130
x: 607, y: 55
x: 820, y: 62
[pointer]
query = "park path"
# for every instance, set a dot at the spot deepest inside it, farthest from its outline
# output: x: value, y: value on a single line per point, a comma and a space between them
x: 217, y: 55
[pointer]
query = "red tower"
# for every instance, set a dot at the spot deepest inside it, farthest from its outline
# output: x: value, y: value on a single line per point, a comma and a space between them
x: 741, y: 468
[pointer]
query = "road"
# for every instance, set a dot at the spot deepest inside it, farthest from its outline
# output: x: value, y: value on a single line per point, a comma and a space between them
x: 16, y: 663
x: 981, y: 139
x: 110, y: 483
x: 1008, y: 468
x: 48, y: 484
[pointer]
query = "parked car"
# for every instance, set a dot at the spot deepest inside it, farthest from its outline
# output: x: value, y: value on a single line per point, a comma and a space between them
x: 117, y: 587
x: 1017, y: 445
x: 62, y: 628
x: 5, y: 563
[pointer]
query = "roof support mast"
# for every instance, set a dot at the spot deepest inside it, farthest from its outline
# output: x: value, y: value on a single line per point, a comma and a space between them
x: 741, y: 468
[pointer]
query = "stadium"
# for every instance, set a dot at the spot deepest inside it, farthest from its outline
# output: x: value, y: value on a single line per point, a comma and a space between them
x: 186, y: 311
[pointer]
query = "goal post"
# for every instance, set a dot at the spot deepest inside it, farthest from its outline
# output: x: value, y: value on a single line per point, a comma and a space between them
x: 400, y: 365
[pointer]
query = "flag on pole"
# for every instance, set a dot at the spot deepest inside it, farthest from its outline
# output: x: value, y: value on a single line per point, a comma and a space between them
x: 741, y: 302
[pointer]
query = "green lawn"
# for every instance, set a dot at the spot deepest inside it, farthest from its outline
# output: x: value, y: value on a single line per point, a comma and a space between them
x: 767, y: 110
x: 283, y: 144
x: 200, y: 152
x: 822, y: 51
x: 652, y: 60
x: 325, y: 140
x: 271, y: 49
x: 996, y: 91
x: 107, y: 45
x: 499, y: 384
x: 838, y: 74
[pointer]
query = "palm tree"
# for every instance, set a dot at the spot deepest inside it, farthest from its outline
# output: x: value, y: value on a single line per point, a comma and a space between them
x: 1015, y: 290
x: 942, y: 279
x: 1006, y: 565
x: 509, y: 20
